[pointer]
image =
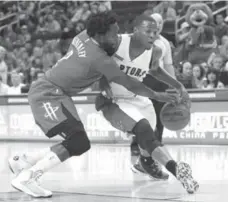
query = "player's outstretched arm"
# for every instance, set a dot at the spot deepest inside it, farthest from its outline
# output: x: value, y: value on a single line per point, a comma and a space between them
x: 160, y: 74
x: 111, y: 71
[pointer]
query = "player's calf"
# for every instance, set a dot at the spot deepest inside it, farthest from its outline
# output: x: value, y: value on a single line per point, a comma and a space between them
x: 147, y: 140
x: 75, y: 144
x: 181, y: 171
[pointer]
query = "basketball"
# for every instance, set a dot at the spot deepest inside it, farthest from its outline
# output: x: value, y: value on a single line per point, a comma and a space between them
x: 175, y: 117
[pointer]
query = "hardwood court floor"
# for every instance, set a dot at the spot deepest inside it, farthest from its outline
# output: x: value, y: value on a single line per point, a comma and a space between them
x: 104, y: 175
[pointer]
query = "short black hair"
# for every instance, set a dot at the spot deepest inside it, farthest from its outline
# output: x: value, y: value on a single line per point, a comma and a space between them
x: 100, y: 23
x: 141, y: 18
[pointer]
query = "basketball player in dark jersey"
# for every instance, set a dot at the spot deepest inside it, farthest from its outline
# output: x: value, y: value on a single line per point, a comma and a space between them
x: 87, y: 60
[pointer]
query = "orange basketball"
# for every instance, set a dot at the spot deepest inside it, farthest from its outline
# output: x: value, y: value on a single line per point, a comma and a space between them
x: 175, y: 117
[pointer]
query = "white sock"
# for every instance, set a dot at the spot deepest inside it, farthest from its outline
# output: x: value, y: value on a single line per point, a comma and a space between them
x: 49, y: 161
x: 33, y: 157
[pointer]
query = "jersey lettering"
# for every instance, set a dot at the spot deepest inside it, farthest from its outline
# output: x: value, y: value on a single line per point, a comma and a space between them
x: 77, y: 43
x: 133, y: 71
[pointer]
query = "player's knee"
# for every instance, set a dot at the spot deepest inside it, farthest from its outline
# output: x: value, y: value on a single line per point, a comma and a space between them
x: 77, y: 143
x: 146, y: 136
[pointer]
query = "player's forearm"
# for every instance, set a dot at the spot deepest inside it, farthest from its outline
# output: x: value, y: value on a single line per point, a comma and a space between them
x: 135, y: 86
x: 139, y: 88
x: 163, y: 76
x: 170, y: 69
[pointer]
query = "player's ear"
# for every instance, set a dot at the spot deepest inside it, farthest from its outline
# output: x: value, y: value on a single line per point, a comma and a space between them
x: 100, y: 38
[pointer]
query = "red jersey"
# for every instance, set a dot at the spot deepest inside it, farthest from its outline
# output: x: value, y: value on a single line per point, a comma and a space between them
x: 84, y: 64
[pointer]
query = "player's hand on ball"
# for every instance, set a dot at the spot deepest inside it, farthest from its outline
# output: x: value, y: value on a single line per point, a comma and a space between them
x: 184, y: 96
x: 167, y: 97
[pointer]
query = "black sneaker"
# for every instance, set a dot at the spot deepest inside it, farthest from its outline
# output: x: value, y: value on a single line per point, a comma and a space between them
x: 153, y: 170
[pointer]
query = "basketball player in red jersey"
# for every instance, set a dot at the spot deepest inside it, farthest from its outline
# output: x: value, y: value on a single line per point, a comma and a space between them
x: 87, y: 60
x: 137, y: 56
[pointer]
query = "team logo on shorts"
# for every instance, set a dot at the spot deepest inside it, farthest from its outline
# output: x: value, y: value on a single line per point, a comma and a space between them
x: 50, y: 111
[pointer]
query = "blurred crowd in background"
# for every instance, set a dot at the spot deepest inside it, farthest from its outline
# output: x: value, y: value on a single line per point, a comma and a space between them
x: 36, y: 34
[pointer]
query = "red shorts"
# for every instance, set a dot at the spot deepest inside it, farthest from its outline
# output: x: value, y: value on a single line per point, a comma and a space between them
x: 51, y: 107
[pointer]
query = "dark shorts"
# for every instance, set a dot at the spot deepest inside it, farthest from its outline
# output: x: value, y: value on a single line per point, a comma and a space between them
x: 125, y: 114
x: 52, y: 108
x: 118, y: 118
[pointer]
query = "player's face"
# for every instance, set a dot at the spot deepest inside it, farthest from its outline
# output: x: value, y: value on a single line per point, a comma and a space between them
x: 147, y: 34
x: 110, y: 40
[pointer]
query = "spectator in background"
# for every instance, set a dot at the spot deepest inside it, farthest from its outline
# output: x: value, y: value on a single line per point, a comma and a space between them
x: 224, y: 75
x: 25, y: 33
x: 79, y: 27
x: 50, y: 57
x: 52, y: 25
x: 11, y: 60
x: 217, y: 62
x: 163, y: 7
x: 171, y: 14
x: 212, y: 80
x: 186, y: 75
x: 85, y: 12
x: 183, y: 33
x: 93, y: 7
x: 82, y: 13
x: 199, y: 76
x: 182, y: 37
x: 205, y: 66
x: 9, y: 32
x: 28, y: 47
x: 223, y: 48
x: 3, y: 66
x: 221, y: 28
x: 102, y: 7
x: 30, y: 75
x: 224, y: 40
x: 17, y: 84
x: 37, y: 53
x: 3, y: 87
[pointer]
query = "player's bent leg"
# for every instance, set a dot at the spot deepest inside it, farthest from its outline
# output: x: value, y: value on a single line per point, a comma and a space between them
x: 148, y: 142
x: 145, y: 135
x: 75, y: 143
x: 149, y: 112
x: 73, y: 132
x: 124, y: 116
